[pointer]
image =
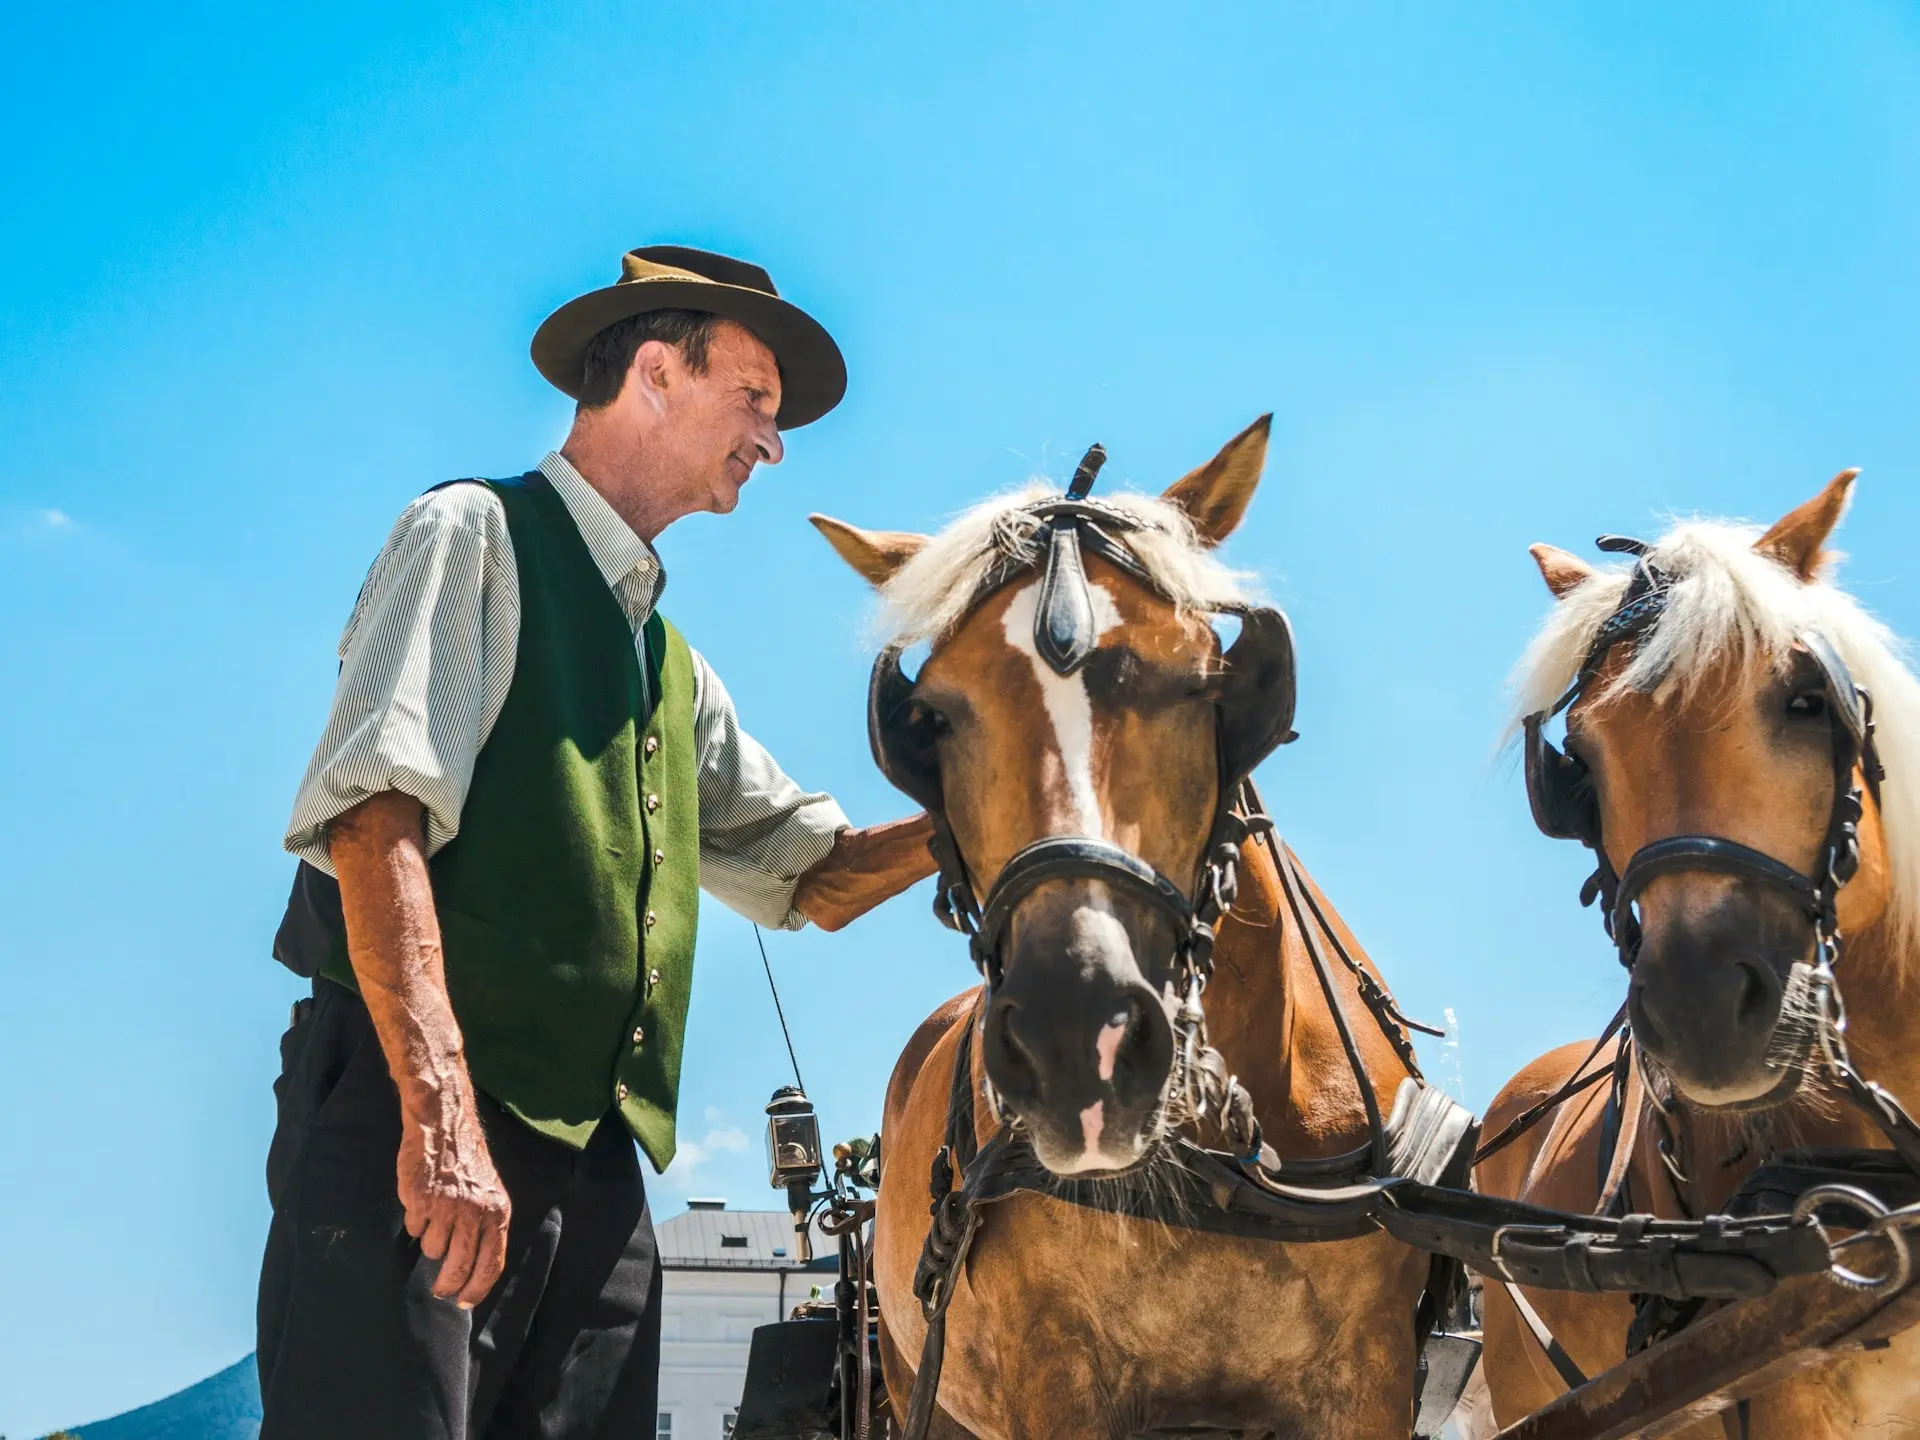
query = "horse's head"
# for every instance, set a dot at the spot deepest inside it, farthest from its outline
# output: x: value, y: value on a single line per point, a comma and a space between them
x: 1717, y: 727
x: 1048, y: 707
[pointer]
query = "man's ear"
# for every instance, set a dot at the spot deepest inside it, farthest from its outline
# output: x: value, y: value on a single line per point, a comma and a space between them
x: 1796, y: 540
x: 1215, y: 496
x: 876, y: 554
x: 650, y: 372
x: 1562, y: 571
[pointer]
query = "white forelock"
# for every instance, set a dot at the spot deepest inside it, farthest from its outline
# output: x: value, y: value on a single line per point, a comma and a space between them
x: 1730, y: 603
x: 929, y: 595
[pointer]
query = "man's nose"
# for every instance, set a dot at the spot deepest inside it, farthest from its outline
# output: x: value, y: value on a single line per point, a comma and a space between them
x: 772, y: 449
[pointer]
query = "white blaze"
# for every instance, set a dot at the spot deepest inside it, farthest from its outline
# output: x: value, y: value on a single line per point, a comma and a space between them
x: 1069, y: 707
x: 1069, y: 712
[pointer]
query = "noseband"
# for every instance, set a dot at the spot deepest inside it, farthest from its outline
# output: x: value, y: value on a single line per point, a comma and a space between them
x: 1254, y: 714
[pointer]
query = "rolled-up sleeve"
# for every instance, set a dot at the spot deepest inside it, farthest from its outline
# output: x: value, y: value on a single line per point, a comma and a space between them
x: 425, y: 663
x: 759, y: 832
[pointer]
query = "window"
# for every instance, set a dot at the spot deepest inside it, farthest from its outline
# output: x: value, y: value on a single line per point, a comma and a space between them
x: 733, y: 1242
x: 663, y: 1426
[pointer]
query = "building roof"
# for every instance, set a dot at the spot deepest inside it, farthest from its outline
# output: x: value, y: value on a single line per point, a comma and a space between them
x: 710, y: 1237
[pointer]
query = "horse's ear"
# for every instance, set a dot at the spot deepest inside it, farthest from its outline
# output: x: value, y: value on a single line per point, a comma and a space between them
x: 1562, y: 571
x: 876, y: 554
x: 1796, y: 540
x: 1215, y: 496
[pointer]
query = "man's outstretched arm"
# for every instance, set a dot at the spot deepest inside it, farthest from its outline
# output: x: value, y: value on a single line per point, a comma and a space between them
x: 864, y: 868
x: 455, y: 1205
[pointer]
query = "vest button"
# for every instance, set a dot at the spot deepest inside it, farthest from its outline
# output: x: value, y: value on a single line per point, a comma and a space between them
x: 639, y: 1034
x: 659, y: 857
x: 620, y: 1091
x: 653, y: 744
x: 653, y: 803
x: 653, y: 978
x: 651, y: 917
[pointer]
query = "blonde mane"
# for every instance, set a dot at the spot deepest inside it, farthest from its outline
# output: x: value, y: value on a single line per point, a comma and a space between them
x: 929, y: 595
x: 1729, y: 603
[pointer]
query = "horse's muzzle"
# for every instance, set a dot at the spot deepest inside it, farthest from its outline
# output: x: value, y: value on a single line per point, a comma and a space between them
x: 1077, y: 1044
x: 1713, y: 999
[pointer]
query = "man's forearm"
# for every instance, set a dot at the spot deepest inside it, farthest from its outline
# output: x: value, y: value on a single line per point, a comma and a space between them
x: 393, y: 942
x: 864, y: 868
x: 450, y: 1193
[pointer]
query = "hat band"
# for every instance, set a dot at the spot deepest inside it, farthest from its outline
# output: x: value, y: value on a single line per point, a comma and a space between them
x: 636, y: 271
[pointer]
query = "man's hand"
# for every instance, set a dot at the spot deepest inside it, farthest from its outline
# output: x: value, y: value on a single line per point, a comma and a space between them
x: 455, y: 1205
x: 454, y: 1202
x: 864, y: 868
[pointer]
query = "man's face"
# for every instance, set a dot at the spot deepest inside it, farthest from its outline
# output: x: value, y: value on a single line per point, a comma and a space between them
x: 716, y: 427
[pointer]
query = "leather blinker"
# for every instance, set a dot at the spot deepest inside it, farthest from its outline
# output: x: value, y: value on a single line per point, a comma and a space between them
x: 903, y: 739
x: 1258, y: 691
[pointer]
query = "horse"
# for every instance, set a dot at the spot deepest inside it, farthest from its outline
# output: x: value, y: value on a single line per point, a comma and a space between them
x: 1077, y: 728
x: 1743, y: 757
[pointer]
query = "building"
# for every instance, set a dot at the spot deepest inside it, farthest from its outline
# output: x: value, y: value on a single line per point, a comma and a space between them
x: 726, y: 1272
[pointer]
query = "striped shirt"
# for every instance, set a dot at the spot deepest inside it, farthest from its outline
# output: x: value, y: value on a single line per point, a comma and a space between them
x: 428, y: 655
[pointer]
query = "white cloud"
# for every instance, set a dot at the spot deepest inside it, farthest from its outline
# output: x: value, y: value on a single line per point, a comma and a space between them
x: 694, y: 1157
x: 41, y: 522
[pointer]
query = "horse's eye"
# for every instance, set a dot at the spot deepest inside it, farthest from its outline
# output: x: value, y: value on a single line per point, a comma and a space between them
x: 1808, y: 704
x: 929, y: 722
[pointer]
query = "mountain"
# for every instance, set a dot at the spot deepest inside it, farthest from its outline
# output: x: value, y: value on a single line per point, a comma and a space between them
x: 221, y: 1407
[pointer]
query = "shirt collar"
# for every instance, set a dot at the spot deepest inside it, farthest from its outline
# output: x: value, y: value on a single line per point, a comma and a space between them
x: 615, y: 548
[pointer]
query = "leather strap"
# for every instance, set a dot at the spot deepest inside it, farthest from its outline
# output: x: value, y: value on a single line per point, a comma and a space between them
x: 1064, y: 857
x: 1556, y: 1353
x: 1678, y: 853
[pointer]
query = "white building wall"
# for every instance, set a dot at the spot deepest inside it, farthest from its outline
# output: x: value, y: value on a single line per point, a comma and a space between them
x: 707, y: 1320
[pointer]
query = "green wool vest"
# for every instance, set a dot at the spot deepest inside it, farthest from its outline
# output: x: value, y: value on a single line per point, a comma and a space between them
x: 569, y: 899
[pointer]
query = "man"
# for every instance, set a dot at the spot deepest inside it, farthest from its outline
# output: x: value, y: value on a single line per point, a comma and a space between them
x: 526, y: 776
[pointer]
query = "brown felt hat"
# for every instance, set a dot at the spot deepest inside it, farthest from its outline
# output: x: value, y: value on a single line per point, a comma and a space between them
x: 813, y: 376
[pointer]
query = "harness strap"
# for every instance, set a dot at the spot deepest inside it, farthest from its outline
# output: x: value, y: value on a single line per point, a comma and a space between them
x: 1291, y: 884
x: 1621, y: 1135
x: 1580, y: 1080
x: 1556, y: 1353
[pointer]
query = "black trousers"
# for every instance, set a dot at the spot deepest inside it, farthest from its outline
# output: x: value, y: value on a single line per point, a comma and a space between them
x: 352, y: 1342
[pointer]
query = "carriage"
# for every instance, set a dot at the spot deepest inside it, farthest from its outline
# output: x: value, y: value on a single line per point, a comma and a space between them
x: 1801, y: 1260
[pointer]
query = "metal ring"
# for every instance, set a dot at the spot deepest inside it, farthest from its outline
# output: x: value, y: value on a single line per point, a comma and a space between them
x: 1875, y: 1213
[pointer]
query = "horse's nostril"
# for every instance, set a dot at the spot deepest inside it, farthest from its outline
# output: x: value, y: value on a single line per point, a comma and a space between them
x: 1009, y: 1061
x: 1755, y: 1003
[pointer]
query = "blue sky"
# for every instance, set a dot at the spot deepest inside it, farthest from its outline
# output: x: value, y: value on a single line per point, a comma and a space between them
x: 1503, y: 272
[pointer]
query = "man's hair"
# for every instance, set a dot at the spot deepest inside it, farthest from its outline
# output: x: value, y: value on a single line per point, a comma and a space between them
x: 610, y: 353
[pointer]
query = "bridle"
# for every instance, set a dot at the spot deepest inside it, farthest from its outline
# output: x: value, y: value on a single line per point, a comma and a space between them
x: 1254, y: 715
x: 1565, y: 806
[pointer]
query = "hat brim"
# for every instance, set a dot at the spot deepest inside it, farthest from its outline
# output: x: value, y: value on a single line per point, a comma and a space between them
x: 813, y: 373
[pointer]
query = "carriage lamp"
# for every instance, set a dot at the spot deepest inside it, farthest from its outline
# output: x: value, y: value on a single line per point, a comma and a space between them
x: 793, y: 1157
